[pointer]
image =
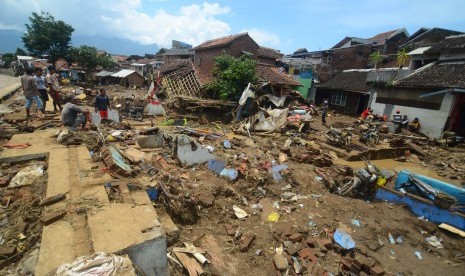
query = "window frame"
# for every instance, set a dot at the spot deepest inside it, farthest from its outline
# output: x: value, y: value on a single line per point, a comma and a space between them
x: 339, y: 98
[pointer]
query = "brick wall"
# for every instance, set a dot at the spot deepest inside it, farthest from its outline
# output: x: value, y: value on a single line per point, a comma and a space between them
x: 266, y: 60
x: 204, y: 58
x: 356, y: 57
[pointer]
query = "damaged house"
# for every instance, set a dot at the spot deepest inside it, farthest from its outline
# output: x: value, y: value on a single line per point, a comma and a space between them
x: 347, y: 92
x: 434, y: 93
x: 352, y: 53
x: 183, y: 77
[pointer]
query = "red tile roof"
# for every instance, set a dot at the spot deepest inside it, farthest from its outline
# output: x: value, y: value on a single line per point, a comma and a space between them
x: 222, y: 41
x: 269, y: 53
x: 274, y: 75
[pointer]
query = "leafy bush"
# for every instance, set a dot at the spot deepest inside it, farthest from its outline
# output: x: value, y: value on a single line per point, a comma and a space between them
x: 231, y: 76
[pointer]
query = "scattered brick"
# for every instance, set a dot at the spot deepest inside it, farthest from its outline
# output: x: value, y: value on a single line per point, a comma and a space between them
x: 294, y: 248
x: 276, y: 237
x: 297, y: 237
x: 52, y: 217
x: 377, y: 271
x: 305, y: 253
x: 326, y: 243
x: 246, y: 241
x: 346, y: 263
x: 288, y: 229
x: 230, y: 230
x: 368, y: 263
x: 355, y: 267
x: 312, y: 242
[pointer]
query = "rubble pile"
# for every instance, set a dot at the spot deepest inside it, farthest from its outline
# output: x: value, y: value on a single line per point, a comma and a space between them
x: 268, y: 194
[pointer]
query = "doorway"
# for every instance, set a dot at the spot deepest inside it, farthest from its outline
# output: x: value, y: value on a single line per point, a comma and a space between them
x: 363, y: 103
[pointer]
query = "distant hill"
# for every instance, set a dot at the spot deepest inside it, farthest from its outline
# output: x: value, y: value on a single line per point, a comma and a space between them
x: 11, y: 39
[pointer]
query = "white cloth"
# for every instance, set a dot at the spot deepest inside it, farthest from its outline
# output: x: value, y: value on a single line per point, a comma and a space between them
x: 98, y: 264
x: 246, y: 94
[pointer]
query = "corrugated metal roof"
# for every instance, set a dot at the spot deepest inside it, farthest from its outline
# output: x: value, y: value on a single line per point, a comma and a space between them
x: 104, y: 73
x: 123, y: 73
x: 25, y: 57
x: 138, y: 64
x: 418, y: 51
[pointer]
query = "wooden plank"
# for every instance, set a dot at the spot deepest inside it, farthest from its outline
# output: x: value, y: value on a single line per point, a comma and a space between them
x: 189, y: 263
x: 452, y: 229
x: 190, y: 250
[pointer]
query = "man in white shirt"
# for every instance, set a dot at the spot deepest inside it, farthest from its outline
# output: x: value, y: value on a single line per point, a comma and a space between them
x: 54, y: 87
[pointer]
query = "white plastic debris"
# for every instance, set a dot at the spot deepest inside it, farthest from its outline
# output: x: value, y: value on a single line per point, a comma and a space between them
x: 27, y: 176
x: 435, y: 241
x: 240, y: 214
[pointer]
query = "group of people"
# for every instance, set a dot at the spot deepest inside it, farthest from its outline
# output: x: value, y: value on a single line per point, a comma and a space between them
x: 73, y: 116
x: 35, y: 85
x: 399, y: 119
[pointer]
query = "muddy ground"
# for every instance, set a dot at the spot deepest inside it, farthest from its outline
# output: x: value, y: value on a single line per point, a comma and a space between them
x: 308, y: 221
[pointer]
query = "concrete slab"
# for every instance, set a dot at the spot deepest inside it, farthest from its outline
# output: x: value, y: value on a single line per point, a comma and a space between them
x: 141, y: 198
x: 8, y: 85
x: 132, y: 228
x: 119, y: 226
x: 58, y: 171
x: 56, y: 248
x: 41, y: 142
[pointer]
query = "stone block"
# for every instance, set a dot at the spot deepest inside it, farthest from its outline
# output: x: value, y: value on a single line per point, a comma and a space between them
x: 377, y: 271
x: 297, y: 237
x: 246, y: 242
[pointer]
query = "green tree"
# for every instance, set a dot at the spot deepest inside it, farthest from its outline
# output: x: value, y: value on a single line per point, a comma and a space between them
x: 232, y: 76
x: 402, y: 57
x: 376, y: 59
x: 7, y: 58
x: 88, y: 58
x: 20, y: 52
x: 106, y: 61
x: 47, y: 36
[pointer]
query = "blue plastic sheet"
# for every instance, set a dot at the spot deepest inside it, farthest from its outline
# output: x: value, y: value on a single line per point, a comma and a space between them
x: 343, y: 238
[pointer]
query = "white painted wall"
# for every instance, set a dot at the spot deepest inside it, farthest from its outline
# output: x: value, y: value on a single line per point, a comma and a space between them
x: 432, y: 121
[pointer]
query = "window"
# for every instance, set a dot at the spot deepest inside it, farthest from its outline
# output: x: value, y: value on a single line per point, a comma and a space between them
x: 339, y: 98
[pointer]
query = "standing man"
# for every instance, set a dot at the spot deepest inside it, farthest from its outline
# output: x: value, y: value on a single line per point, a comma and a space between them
x: 40, y: 81
x: 30, y: 91
x: 54, y: 87
x: 324, y: 112
x: 102, y: 104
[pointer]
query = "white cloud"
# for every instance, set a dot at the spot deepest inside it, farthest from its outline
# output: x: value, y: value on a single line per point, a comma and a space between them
x: 264, y: 38
x: 9, y: 27
x: 194, y: 23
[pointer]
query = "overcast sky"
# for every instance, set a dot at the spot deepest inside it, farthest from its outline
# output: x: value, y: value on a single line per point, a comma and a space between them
x: 281, y: 24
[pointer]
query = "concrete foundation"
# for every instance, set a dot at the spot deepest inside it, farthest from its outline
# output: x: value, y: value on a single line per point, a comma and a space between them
x: 129, y: 228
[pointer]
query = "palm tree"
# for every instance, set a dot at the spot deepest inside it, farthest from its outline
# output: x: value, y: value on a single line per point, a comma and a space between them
x: 376, y: 58
x: 402, y: 57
